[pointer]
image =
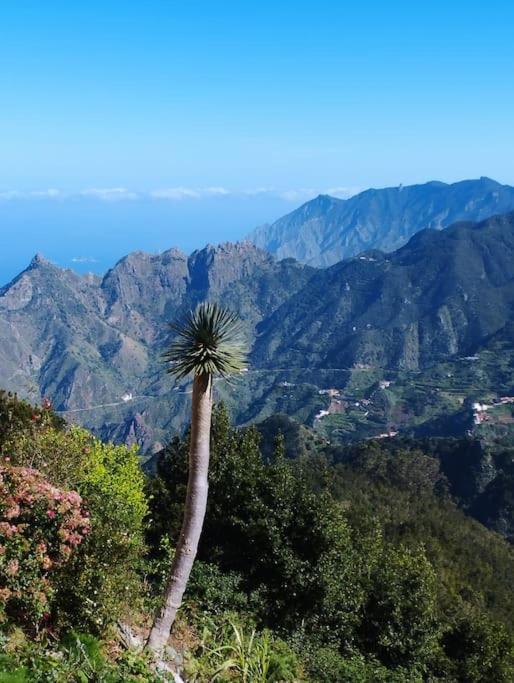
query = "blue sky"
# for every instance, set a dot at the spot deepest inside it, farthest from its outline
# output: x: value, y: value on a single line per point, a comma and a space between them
x: 165, y: 122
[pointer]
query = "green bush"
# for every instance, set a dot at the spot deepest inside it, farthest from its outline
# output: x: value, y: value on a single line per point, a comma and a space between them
x: 326, y: 665
x: 216, y: 592
x: 78, y: 658
x: 291, y: 545
x: 102, y: 579
x: 478, y: 649
x: 19, y: 417
x: 231, y: 651
x: 364, y: 562
x: 400, y: 624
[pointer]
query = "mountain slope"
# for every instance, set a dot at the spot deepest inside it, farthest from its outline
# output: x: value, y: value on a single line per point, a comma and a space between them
x: 327, y: 230
x: 322, y: 340
x: 93, y: 346
x: 440, y: 295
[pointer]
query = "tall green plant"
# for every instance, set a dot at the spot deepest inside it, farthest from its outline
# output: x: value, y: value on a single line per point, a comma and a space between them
x: 208, y: 343
x: 232, y: 651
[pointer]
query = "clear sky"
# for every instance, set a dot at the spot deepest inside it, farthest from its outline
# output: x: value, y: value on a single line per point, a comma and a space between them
x: 238, y: 110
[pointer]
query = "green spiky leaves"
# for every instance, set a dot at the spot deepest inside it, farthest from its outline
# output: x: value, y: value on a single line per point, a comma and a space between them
x: 209, y: 342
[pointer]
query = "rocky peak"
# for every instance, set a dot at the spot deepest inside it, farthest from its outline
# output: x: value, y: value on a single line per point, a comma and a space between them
x: 39, y: 270
x: 139, y: 261
x: 214, y: 267
x: 39, y: 261
x: 144, y: 287
x: 172, y: 255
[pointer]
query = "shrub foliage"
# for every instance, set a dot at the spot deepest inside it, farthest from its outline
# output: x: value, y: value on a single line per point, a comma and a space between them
x: 102, y: 578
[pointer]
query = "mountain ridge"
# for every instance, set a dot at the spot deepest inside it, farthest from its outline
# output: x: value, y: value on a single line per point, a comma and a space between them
x: 94, y: 346
x: 86, y: 343
x: 405, y: 309
x: 327, y: 229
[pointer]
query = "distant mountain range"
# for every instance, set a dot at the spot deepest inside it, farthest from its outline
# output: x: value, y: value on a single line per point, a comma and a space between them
x: 323, y: 341
x: 327, y: 230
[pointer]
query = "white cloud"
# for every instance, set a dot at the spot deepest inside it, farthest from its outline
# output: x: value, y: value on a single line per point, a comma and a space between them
x: 7, y: 195
x: 216, y: 190
x: 301, y: 195
x: 84, y: 259
x: 50, y: 193
x: 179, y: 193
x: 343, y: 192
x: 110, y: 194
x: 175, y: 193
x: 258, y: 190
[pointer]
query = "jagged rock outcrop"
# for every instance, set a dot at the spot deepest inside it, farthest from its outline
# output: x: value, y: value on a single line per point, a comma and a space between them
x: 93, y: 345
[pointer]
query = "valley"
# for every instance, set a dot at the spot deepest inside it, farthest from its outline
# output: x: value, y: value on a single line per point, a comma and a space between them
x: 406, y: 341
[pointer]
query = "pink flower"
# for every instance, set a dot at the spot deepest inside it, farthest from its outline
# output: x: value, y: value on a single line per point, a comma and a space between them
x: 46, y: 563
x: 5, y: 594
x: 50, y: 513
x: 7, y: 530
x: 74, y: 498
x: 12, y: 512
x: 12, y: 567
x: 65, y: 551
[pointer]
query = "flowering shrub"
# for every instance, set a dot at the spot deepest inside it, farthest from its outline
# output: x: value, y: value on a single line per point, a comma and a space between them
x: 101, y: 581
x: 40, y: 527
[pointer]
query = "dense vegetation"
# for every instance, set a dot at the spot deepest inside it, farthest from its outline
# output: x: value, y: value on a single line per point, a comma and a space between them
x: 366, y: 561
x: 333, y: 565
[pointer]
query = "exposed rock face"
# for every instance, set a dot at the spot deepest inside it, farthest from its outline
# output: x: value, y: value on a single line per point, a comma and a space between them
x: 19, y: 295
x: 87, y: 342
x: 213, y: 269
x: 327, y: 230
x: 142, y: 289
x: 93, y: 345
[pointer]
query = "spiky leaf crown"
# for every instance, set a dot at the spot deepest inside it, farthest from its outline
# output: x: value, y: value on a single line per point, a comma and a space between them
x: 208, y: 342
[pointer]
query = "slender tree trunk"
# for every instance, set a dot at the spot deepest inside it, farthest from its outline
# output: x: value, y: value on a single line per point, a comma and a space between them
x: 194, y: 512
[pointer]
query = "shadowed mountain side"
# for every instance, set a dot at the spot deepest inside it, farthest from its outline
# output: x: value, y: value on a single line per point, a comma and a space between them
x: 440, y: 295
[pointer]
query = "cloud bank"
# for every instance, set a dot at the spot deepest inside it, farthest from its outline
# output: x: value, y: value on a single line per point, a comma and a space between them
x: 174, y: 194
